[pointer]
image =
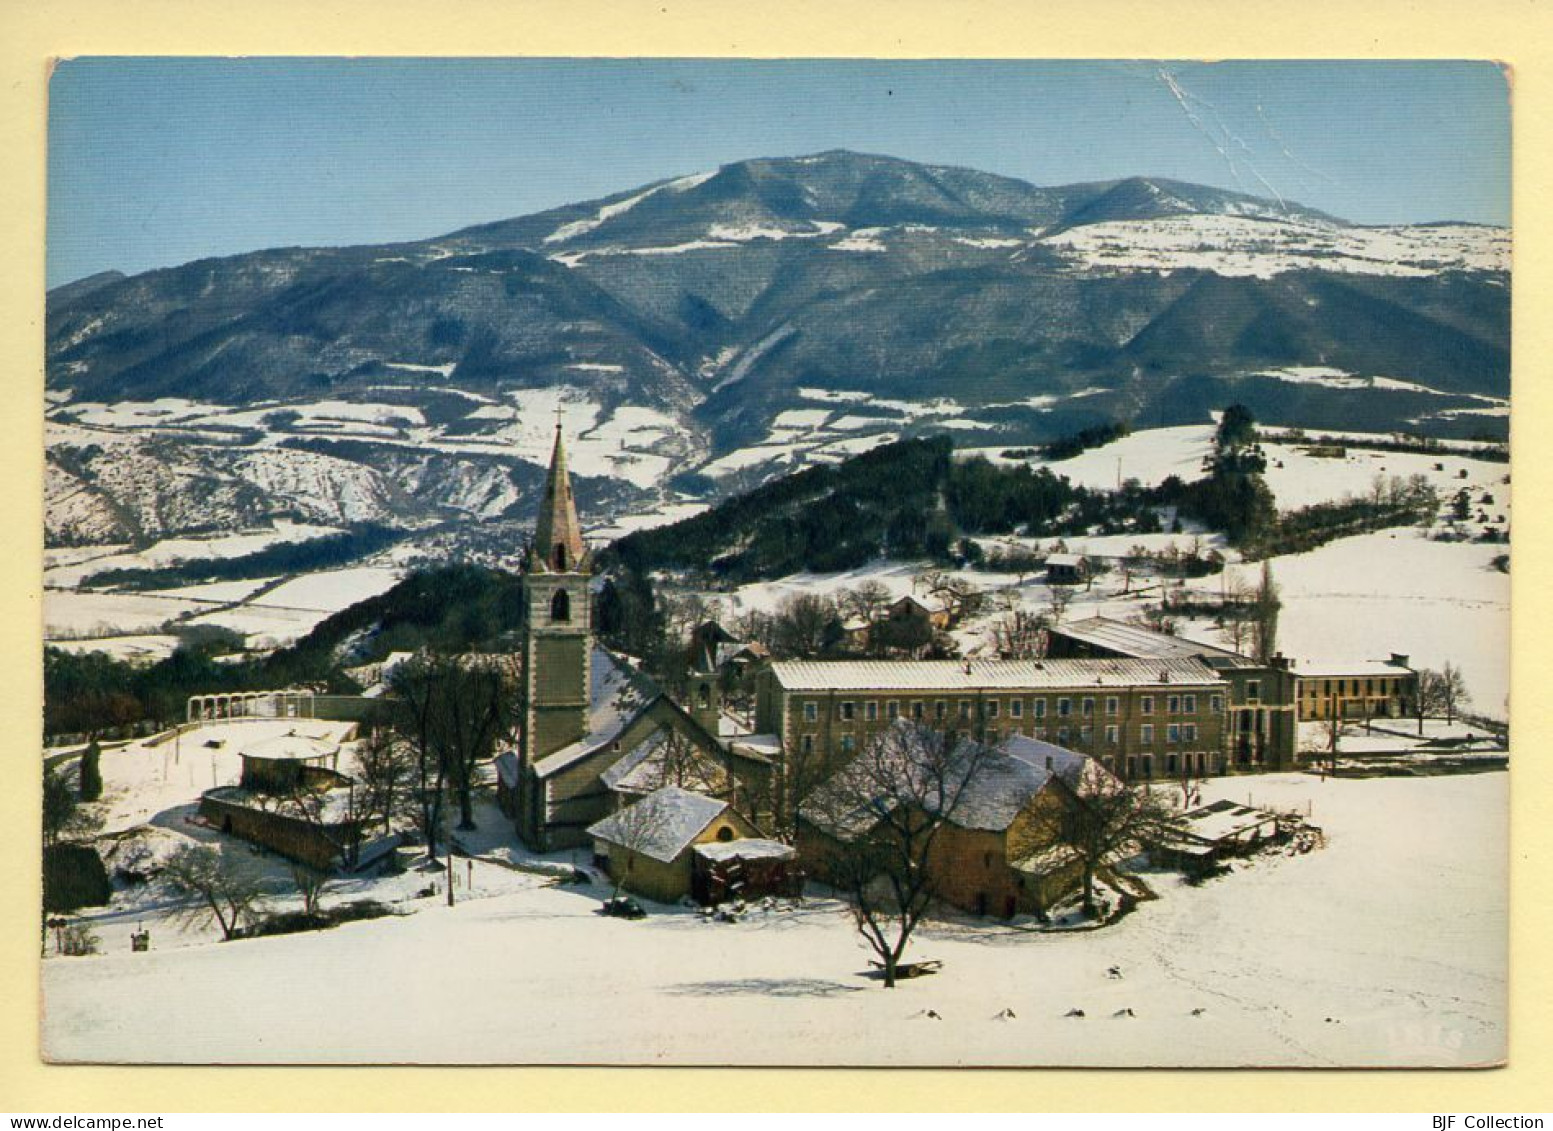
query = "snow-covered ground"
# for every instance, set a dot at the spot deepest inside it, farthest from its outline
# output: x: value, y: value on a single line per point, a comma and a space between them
x: 1396, y: 591
x: 1385, y: 948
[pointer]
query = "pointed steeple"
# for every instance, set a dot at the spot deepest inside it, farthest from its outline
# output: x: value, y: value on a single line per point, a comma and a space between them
x: 558, y: 545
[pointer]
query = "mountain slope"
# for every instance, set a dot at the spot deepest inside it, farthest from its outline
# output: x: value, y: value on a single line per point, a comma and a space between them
x: 768, y: 313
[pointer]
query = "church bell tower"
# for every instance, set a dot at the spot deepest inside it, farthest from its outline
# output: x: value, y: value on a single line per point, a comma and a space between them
x: 557, y: 632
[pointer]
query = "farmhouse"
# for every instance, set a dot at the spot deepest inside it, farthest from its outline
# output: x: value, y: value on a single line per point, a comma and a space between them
x: 646, y: 847
x: 998, y: 851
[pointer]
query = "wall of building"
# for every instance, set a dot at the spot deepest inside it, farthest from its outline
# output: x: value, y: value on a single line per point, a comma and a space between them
x: 1140, y: 748
x: 1357, y: 696
x: 292, y: 837
x: 670, y: 882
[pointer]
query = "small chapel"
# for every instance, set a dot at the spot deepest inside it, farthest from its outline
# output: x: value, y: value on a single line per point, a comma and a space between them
x: 596, y: 733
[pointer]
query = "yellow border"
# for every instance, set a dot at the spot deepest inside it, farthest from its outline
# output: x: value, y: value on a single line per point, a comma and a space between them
x: 32, y: 31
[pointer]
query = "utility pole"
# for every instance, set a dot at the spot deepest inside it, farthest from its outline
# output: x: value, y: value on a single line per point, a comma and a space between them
x: 450, y: 875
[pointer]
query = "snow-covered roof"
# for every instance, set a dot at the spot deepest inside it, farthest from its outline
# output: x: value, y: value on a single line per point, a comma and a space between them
x: 291, y: 748
x: 1138, y: 643
x: 661, y: 825
x: 763, y: 746
x: 1223, y: 819
x: 752, y: 848
x: 616, y: 695
x: 995, y: 788
x: 1070, y: 561
x: 646, y: 766
x: 1337, y: 669
x: 986, y: 675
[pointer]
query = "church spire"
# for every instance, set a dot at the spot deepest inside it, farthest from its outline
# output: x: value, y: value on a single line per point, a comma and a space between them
x: 558, y: 545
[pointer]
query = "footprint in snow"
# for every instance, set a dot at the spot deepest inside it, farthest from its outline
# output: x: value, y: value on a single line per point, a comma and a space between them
x: 930, y: 1014
x: 1074, y: 1013
x: 1127, y: 1012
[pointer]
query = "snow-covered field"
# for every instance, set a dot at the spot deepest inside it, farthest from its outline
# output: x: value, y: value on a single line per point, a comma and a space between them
x: 1396, y: 591
x: 1385, y: 948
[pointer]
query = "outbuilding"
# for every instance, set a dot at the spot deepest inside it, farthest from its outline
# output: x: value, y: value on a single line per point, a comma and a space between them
x: 647, y: 847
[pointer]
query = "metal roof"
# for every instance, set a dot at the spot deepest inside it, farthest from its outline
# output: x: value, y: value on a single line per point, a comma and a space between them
x: 987, y: 675
x: 1139, y: 643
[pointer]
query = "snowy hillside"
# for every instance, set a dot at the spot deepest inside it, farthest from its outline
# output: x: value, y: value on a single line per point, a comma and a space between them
x: 1338, y: 958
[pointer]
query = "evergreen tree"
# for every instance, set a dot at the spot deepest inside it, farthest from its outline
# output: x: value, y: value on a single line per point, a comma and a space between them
x: 91, y: 772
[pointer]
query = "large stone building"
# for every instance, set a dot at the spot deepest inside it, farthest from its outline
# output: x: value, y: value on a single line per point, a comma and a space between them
x: 1259, y: 724
x: 1140, y: 719
x: 594, y: 731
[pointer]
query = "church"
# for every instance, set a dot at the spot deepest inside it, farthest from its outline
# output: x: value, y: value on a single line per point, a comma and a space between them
x: 596, y: 733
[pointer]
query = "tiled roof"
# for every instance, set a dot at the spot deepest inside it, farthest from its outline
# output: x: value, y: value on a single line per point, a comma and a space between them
x: 986, y: 675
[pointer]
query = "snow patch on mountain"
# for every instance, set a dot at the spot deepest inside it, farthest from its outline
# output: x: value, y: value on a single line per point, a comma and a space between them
x: 1247, y: 246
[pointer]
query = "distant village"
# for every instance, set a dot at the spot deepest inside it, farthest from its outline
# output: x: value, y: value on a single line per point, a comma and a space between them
x: 997, y: 788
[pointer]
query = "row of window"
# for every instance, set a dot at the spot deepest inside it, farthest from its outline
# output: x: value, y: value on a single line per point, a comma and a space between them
x: 1174, y: 733
x: 847, y: 710
x: 1192, y: 762
x: 1319, y: 687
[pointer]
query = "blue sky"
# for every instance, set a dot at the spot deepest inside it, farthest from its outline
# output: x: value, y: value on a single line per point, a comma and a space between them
x: 154, y: 162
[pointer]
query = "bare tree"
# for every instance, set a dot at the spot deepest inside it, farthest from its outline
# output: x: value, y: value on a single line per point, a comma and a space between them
x: 1442, y: 692
x: 1453, y: 693
x: 386, y: 766
x: 1061, y: 596
x: 1264, y: 616
x: 1109, y: 821
x: 867, y: 602
x: 1020, y: 634
x: 804, y: 625
x: 218, y: 888
x: 454, y: 711
x: 885, y: 810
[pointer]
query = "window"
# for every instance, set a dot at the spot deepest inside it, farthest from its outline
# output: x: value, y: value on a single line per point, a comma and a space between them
x: 1088, y: 706
x: 807, y: 745
x: 871, y: 711
x: 561, y: 607
x: 892, y: 710
x: 1189, y: 732
x: 916, y: 711
x: 1039, y: 707
x: 1112, y: 735
x: 1146, y: 734
x: 847, y: 711
x: 1173, y: 732
x: 1062, y: 735
x: 1170, y: 763
x: 1189, y: 704
x: 725, y: 834
x: 847, y: 744
x: 1086, y: 736
x: 1146, y: 705
x: 965, y: 708
x: 1064, y: 708
x: 1016, y: 708
x: 1112, y: 705
x: 940, y: 710
x: 992, y: 708
x: 811, y: 712
x: 1253, y: 691
x: 1173, y: 705
x: 1216, y: 704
